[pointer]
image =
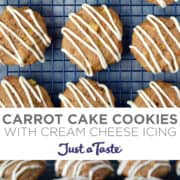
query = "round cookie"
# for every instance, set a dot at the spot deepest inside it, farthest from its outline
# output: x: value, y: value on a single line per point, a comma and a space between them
x: 158, y: 94
x: 19, y: 92
x: 23, y: 36
x: 178, y: 168
x: 87, y: 93
x: 82, y: 170
x: 21, y: 170
x: 162, y: 3
x: 144, y: 168
x: 92, y: 38
x: 156, y: 44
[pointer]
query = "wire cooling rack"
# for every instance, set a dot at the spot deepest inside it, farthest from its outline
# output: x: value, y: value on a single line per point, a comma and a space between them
x: 123, y: 78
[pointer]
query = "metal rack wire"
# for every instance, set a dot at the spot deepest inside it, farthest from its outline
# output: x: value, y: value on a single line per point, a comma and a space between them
x: 123, y: 78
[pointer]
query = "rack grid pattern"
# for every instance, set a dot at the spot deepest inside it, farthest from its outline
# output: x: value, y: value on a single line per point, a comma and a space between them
x: 123, y: 78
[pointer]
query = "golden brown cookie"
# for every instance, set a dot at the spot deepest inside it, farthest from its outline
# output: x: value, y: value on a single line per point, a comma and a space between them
x: 82, y: 170
x: 158, y: 94
x: 21, y: 170
x: 144, y: 168
x: 162, y: 3
x: 156, y: 44
x: 92, y: 38
x: 19, y: 92
x: 23, y: 36
x: 87, y: 93
x: 178, y: 168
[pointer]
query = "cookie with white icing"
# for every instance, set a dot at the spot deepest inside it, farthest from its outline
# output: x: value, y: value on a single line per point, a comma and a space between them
x: 82, y: 170
x: 21, y: 170
x: 148, y: 169
x: 163, y: 3
x: 23, y: 36
x: 156, y: 44
x: 20, y: 92
x: 87, y: 93
x: 178, y: 168
x: 92, y: 38
x: 158, y: 94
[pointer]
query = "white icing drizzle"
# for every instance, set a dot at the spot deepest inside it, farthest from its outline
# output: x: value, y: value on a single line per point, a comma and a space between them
x: 137, y: 165
x: 177, y: 91
x: 93, y: 93
x: 146, y: 46
x: 156, y: 166
x: 29, y: 91
x: 56, y: 166
x: 156, y: 22
x: 1, y: 62
x: 96, y: 168
x: 178, y: 169
x: 160, y: 93
x: 176, y: 23
x: 144, y: 58
x: 78, y: 166
x: 67, y: 167
x: 92, y: 46
x: 142, y: 34
x: 92, y: 170
x: 146, y: 98
x: 4, y: 166
x: 121, y: 167
x: 37, y: 29
x: 163, y: 3
x: 18, y: 170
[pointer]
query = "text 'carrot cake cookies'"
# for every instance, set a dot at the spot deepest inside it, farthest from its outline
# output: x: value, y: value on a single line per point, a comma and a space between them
x: 21, y: 170
x: 92, y: 38
x: 87, y: 93
x: 156, y: 44
x: 141, y: 169
x: 163, y: 3
x: 19, y: 92
x: 178, y: 168
x: 83, y: 170
x: 158, y: 94
x: 23, y: 36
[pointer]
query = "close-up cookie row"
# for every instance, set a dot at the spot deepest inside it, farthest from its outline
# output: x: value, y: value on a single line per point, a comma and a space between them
x: 88, y: 170
x: 92, y: 39
x: 20, y: 92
